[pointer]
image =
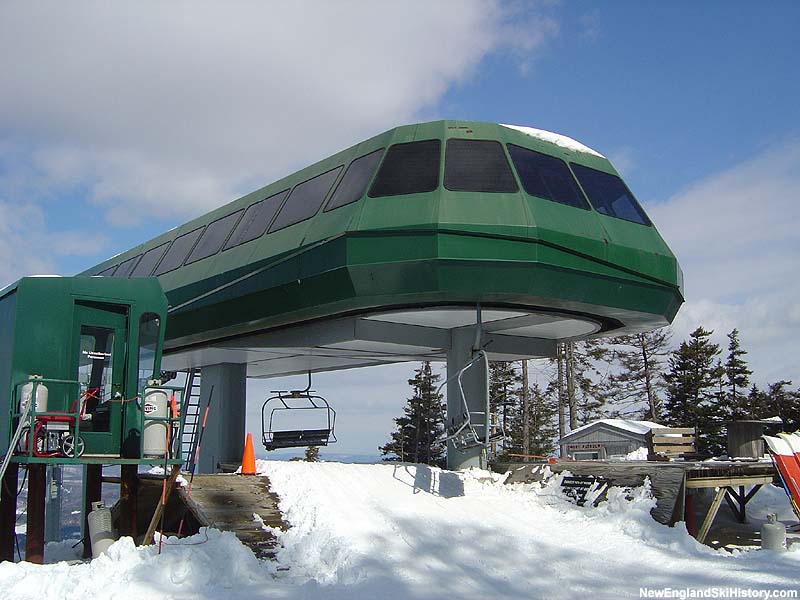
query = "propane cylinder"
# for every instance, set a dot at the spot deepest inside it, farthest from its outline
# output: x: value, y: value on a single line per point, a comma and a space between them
x: 773, y: 534
x: 40, y: 404
x: 156, y: 404
x: 101, y: 529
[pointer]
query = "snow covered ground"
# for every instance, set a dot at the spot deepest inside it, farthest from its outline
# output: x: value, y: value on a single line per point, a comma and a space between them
x: 405, y: 531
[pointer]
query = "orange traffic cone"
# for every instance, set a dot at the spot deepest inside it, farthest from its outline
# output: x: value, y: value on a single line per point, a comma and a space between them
x: 249, y: 457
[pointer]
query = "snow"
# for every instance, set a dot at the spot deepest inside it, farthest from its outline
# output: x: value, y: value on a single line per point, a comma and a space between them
x: 638, y: 427
x: 638, y: 454
x: 401, y: 531
x: 555, y: 138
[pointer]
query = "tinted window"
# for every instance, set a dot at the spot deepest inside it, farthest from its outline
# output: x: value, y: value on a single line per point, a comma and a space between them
x: 149, y: 260
x: 214, y: 236
x: 149, y: 326
x: 546, y: 176
x: 177, y: 252
x: 408, y: 169
x: 126, y: 267
x: 355, y: 180
x: 256, y: 219
x: 477, y: 166
x: 305, y: 199
x: 108, y: 272
x: 609, y: 195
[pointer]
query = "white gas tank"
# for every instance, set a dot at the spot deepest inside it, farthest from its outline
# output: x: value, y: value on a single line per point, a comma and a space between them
x: 156, y: 404
x: 26, y: 393
x: 101, y: 529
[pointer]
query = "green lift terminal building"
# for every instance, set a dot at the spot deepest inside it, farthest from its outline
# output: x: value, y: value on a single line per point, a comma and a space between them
x: 453, y: 241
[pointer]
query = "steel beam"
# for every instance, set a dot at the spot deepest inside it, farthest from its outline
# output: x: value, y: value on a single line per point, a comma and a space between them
x: 92, y: 492
x: 8, y: 511
x: 34, y: 535
x: 128, y: 500
x: 223, y: 440
x: 474, y: 383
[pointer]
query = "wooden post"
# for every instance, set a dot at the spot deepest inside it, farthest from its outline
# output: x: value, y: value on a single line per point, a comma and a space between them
x: 93, y: 492
x: 129, y: 499
x: 691, y: 526
x: 8, y: 511
x: 167, y: 490
x: 712, y: 513
x: 34, y: 535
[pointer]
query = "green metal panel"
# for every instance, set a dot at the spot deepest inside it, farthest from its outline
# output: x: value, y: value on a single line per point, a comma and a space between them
x: 8, y: 310
x: 39, y: 321
x: 439, y: 247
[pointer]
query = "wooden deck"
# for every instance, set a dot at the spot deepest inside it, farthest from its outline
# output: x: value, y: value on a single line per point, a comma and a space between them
x: 224, y: 501
x: 671, y: 483
x: 238, y: 503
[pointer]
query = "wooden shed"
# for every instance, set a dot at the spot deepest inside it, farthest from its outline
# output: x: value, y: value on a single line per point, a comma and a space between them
x: 606, y: 438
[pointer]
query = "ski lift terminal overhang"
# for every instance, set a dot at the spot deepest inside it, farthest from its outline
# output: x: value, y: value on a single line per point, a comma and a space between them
x: 382, y: 253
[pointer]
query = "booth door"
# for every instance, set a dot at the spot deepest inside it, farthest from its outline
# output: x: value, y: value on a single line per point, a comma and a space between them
x: 100, y: 368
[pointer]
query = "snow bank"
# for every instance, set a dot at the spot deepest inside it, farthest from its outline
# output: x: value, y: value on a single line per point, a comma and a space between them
x: 638, y: 454
x: 216, y: 566
x: 398, y: 531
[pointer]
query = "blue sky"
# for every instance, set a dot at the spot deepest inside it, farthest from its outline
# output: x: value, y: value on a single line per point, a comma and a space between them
x: 119, y: 121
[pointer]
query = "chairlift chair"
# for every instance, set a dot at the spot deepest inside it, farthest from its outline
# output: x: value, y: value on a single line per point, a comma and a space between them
x: 275, y: 438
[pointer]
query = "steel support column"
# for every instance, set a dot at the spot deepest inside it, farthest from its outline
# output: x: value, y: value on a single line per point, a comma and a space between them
x: 52, y: 512
x: 128, y: 500
x: 8, y: 511
x: 92, y: 492
x: 223, y: 440
x: 34, y: 535
x: 476, y: 391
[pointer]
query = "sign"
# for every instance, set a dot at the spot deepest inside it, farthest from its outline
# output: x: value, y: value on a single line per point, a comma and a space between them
x: 585, y: 446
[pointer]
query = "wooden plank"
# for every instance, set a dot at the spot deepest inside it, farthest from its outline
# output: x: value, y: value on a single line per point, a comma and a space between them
x: 170, y: 483
x: 734, y: 506
x: 708, y: 482
x: 664, y: 430
x: 712, y: 513
x: 680, y: 449
x: 684, y: 439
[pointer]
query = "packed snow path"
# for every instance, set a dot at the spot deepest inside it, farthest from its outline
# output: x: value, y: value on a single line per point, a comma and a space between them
x: 404, y: 531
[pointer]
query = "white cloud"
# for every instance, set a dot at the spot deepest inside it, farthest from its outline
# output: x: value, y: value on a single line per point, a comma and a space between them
x: 736, y: 236
x: 623, y: 160
x: 27, y: 246
x: 174, y: 108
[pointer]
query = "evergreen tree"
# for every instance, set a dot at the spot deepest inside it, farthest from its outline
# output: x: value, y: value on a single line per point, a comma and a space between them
x: 312, y: 454
x: 542, y: 424
x: 586, y: 373
x: 737, y: 379
x: 783, y: 403
x: 504, y: 382
x: 636, y: 388
x: 693, y: 384
x: 422, y: 423
x: 579, y: 382
x: 758, y: 403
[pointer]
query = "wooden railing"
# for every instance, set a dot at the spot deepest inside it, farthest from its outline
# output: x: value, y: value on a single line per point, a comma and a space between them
x: 671, y: 442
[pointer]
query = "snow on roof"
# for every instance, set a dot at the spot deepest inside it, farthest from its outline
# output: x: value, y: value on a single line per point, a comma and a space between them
x: 775, y: 419
x: 638, y: 427
x: 555, y: 138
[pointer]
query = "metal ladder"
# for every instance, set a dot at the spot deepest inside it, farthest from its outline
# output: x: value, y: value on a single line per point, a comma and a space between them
x: 191, y: 418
